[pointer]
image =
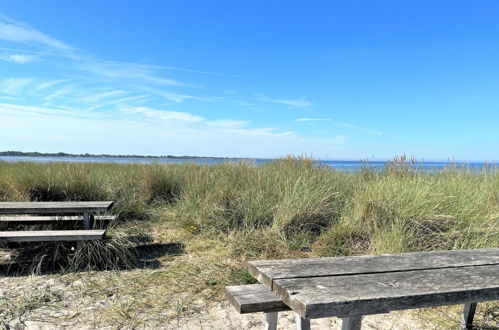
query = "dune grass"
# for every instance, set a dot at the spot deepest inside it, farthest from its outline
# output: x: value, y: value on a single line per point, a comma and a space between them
x: 224, y: 214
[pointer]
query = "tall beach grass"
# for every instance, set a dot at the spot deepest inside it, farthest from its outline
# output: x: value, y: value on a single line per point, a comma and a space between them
x: 289, y: 207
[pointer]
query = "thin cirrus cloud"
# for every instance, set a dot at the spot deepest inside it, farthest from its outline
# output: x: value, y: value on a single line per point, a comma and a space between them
x: 298, y: 103
x: 12, y: 30
x: 303, y: 120
x: 129, y: 96
x: 46, y: 46
x: 14, y: 86
x: 176, y: 116
x: 19, y: 58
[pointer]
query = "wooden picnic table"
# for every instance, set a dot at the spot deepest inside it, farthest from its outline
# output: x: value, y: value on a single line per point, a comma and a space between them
x: 350, y: 287
x: 22, y: 212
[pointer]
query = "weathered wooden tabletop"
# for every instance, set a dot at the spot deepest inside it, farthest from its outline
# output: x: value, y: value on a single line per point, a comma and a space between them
x: 347, y: 286
x: 54, y: 207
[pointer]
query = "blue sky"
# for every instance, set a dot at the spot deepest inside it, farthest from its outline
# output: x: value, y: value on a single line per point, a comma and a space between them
x: 330, y: 79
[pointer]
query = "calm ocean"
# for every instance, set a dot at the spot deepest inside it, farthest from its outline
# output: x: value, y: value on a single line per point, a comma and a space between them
x: 345, y: 165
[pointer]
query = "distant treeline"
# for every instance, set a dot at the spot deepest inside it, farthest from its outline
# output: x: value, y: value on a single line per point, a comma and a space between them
x: 64, y: 154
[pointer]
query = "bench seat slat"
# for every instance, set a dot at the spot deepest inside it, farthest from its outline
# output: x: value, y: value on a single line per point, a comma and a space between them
x: 40, y: 218
x: 254, y: 298
x: 364, y: 294
x: 54, y: 207
x: 52, y: 235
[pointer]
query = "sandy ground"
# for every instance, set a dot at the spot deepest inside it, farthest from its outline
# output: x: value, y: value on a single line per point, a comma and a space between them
x: 64, y: 308
x: 107, y: 300
x: 224, y: 316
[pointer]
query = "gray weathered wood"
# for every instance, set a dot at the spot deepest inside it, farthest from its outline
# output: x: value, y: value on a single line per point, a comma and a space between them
x: 468, y: 315
x: 254, y: 298
x: 52, y: 218
x: 364, y: 294
x: 351, y: 323
x: 270, y: 270
x: 53, y: 207
x: 302, y: 323
x: 52, y: 235
x: 271, y: 319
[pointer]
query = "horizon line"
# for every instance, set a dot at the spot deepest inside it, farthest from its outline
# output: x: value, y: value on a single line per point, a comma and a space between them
x: 372, y: 159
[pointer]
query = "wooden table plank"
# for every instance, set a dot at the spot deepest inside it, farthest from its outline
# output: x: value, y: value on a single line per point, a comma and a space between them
x: 270, y: 270
x: 51, y: 235
x: 51, y: 218
x: 54, y: 207
x: 364, y: 294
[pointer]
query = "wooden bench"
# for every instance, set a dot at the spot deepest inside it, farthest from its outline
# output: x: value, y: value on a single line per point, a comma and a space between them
x: 351, y: 287
x: 44, y: 212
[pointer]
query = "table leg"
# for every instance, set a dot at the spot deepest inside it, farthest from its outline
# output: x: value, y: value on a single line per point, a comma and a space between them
x: 468, y: 315
x: 301, y: 323
x: 351, y: 323
x: 271, y: 319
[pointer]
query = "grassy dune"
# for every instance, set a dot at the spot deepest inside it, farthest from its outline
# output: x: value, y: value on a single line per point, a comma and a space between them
x: 221, y: 215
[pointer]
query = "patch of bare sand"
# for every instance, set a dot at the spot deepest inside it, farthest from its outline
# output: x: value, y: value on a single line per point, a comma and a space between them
x: 71, y: 301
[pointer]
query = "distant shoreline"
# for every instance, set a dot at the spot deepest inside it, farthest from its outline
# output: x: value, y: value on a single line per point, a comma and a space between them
x: 87, y: 155
x: 63, y: 155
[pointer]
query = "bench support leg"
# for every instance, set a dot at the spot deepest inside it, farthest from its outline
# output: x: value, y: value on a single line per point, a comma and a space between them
x: 86, y: 221
x: 79, y: 246
x: 86, y: 225
x: 301, y: 323
x: 468, y: 315
x: 351, y: 323
x: 271, y: 319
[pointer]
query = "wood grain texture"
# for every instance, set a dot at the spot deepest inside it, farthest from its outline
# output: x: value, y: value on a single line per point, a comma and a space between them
x: 52, y: 235
x: 270, y: 270
x: 54, y: 207
x: 364, y: 294
x: 254, y: 298
x: 52, y: 218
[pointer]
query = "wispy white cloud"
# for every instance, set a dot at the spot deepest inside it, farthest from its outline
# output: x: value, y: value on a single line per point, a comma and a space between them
x: 132, y: 96
x: 176, y: 97
x: 295, y: 103
x: 62, y: 92
x: 49, y: 84
x: 184, y: 134
x: 267, y: 131
x: 123, y: 70
x: 14, y: 31
x: 19, y: 58
x: 94, y: 98
x: 301, y: 120
x: 227, y: 123
x: 164, y: 115
x: 135, y: 98
x: 73, y: 59
x: 9, y: 98
x: 14, y: 86
x: 27, y: 109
